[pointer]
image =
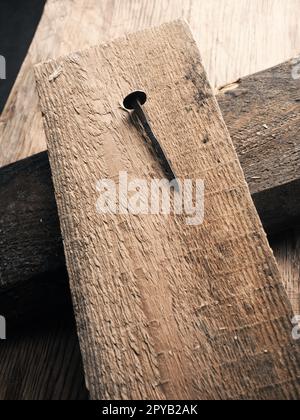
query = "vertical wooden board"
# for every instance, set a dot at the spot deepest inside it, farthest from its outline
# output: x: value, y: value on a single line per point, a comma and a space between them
x: 164, y: 310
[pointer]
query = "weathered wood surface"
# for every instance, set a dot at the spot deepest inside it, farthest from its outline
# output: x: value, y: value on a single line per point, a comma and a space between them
x: 139, y: 326
x: 228, y: 53
x: 42, y: 361
x: 235, y: 30
x: 30, y: 232
x: 17, y: 27
x: 32, y: 266
x: 262, y: 113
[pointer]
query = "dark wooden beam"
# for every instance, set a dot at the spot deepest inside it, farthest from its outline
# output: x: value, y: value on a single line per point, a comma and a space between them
x: 32, y: 265
x: 262, y: 113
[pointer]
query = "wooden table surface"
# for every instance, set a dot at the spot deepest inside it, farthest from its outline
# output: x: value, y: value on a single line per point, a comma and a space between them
x: 236, y: 38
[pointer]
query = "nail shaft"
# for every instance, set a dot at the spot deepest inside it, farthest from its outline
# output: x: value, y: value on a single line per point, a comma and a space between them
x: 155, y: 143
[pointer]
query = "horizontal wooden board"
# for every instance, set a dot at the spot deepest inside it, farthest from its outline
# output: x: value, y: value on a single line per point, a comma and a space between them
x: 158, y: 314
x: 223, y: 38
x: 262, y: 113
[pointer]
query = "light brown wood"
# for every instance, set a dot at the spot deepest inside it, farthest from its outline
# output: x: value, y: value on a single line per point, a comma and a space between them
x: 287, y: 251
x: 245, y: 36
x: 274, y: 25
x: 164, y: 310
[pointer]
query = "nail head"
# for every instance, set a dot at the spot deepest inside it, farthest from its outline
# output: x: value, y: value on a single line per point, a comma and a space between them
x: 131, y: 100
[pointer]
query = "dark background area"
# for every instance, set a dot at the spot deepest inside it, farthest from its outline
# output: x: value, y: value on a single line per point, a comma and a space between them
x: 18, y: 23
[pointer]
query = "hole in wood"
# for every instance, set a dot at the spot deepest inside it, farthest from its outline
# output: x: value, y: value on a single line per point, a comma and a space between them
x: 133, y: 98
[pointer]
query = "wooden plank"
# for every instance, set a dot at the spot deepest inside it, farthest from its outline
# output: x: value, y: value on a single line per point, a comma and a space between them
x: 264, y: 125
x: 33, y: 278
x: 30, y: 232
x: 218, y: 25
x: 138, y: 318
x: 42, y: 361
x: 48, y: 349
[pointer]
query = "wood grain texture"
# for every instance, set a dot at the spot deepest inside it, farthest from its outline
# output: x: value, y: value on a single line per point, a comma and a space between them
x: 287, y: 251
x: 17, y: 28
x: 30, y: 239
x: 42, y: 361
x: 32, y: 266
x: 262, y: 113
x: 235, y: 30
x: 158, y: 315
x: 280, y: 38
